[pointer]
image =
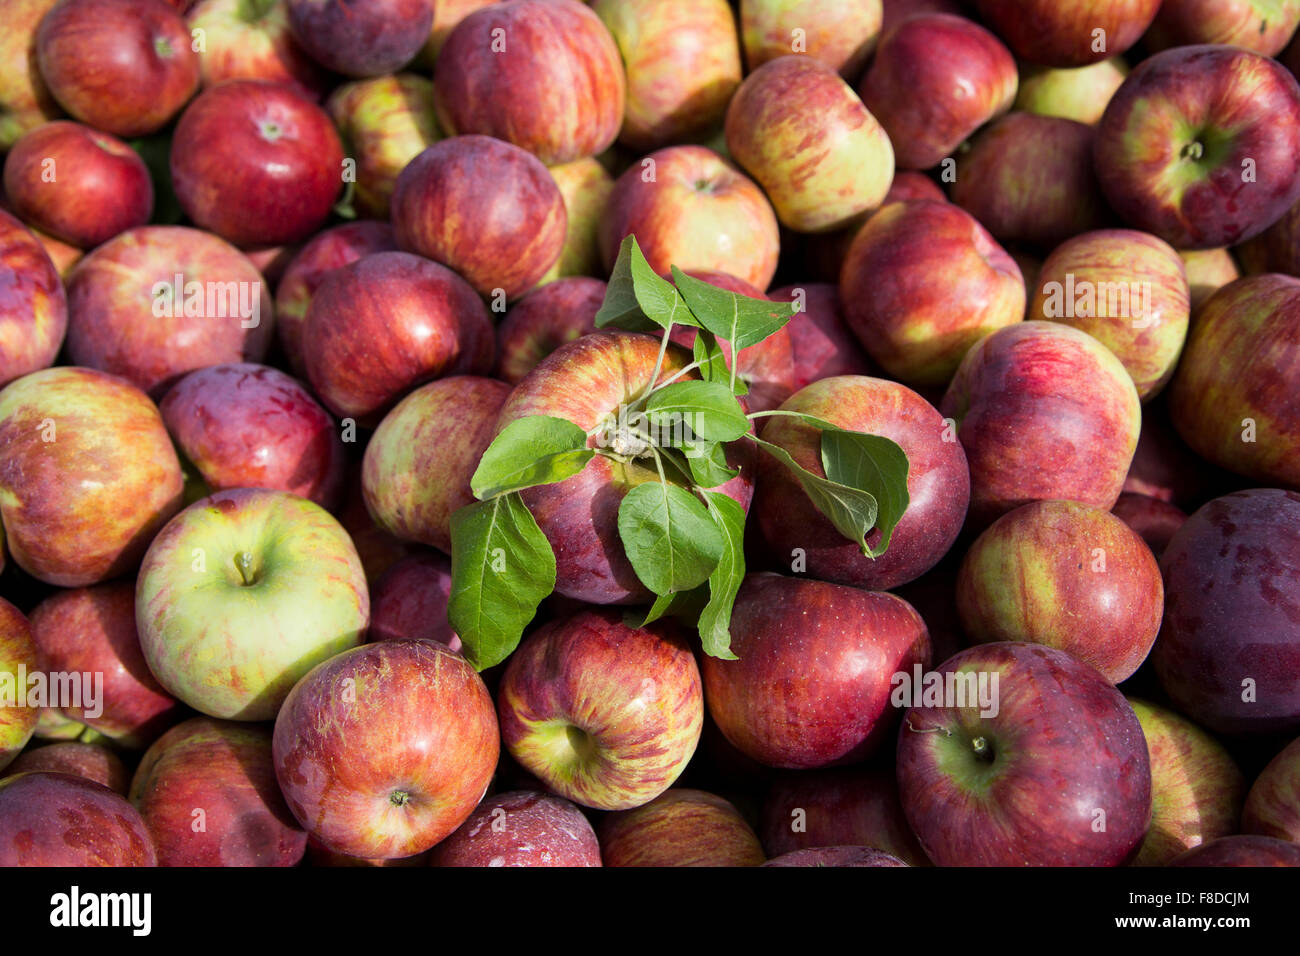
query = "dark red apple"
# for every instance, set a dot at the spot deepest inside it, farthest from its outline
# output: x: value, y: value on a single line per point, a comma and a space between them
x: 1153, y: 519
x: 33, y: 306
x: 362, y: 37
x: 1068, y: 32
x: 910, y: 184
x: 521, y: 828
x: 836, y: 856
x: 543, y: 320
x: 1265, y: 26
x: 680, y: 828
x: 81, y: 760
x: 410, y: 601
x: 1273, y: 804
x: 820, y: 338
x: 57, y: 819
x: 1242, y: 850
x: 251, y: 40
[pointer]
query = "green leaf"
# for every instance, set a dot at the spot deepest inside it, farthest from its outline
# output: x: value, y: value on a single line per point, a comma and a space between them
x: 661, y: 303
x: 621, y: 308
x: 537, y: 450
x: 740, y: 320
x: 875, y: 464
x: 725, y: 581
x: 713, y: 363
x: 707, y: 462
x: 670, y: 539
x: 706, y: 410
x: 851, y: 510
x: 502, y: 567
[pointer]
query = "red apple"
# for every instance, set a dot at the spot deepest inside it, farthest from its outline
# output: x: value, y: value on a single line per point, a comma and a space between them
x: 251, y: 40
x: 521, y: 828
x: 909, y: 184
x: 1264, y: 26
x: 447, y: 14
x: 1242, y: 850
x: 1154, y: 520
x: 543, y: 320
x: 841, y: 35
x: 25, y: 101
x: 1273, y: 804
x: 91, y: 761
x: 57, y: 819
x: 820, y: 338
x: 1068, y: 32
x: 836, y: 856
x: 377, y: 549
x: 19, y: 656
x: 33, y: 307
x: 361, y: 37
x: 1164, y: 467
x: 409, y: 602
x: 680, y: 828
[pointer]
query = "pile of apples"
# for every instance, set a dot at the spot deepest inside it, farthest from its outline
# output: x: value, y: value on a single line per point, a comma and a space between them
x: 275, y: 273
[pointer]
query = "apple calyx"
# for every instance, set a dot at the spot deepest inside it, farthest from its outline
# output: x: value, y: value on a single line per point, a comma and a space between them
x: 244, y: 565
x: 399, y: 798
x: 1193, y: 150
x: 982, y: 749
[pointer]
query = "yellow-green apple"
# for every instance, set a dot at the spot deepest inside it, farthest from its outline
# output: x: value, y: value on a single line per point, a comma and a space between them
x: 812, y: 684
x: 1078, y: 93
x: 1241, y: 850
x: 1044, y: 411
x: 241, y: 594
x: 935, y: 80
x: 208, y: 794
x: 841, y: 35
x: 586, y: 187
x: 156, y: 302
x: 938, y: 483
x: 326, y: 251
x: 251, y: 40
x: 91, y: 631
x: 1201, y: 145
x: 419, y: 462
x: 836, y: 856
x: 81, y: 760
x: 681, y: 827
x: 1128, y: 290
x: 844, y: 806
x: 1235, y: 398
x: 543, y: 320
x: 385, y: 122
x: 803, y: 134
x: 1264, y: 26
x: 252, y: 426
x: 1272, y: 806
x: 57, y: 819
x: 690, y: 208
x: 409, y: 602
x: 87, y: 474
x: 361, y: 37
x: 820, y: 338
x: 1196, y: 787
x: 19, y: 658
x: 1154, y: 520
x: 521, y: 828
x: 485, y: 208
x: 1030, y: 178
x: 1208, y: 271
x: 604, y: 714
x: 25, y: 102
x: 543, y: 75
x: 387, y: 323
x: 916, y: 326
x: 1068, y: 576
x: 1068, y: 32
x: 122, y: 66
x: 33, y: 305
x: 683, y: 64
x: 256, y: 162
x: 77, y: 184
x: 385, y: 750
x: 1022, y: 755
x: 1229, y: 649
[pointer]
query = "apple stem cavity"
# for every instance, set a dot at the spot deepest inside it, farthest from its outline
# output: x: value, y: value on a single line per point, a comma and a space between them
x: 399, y: 798
x: 982, y: 749
x: 1193, y: 150
x: 244, y: 565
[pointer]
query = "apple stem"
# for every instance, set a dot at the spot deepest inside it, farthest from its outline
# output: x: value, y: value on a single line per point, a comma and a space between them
x: 244, y: 564
x: 1193, y: 151
x: 982, y: 749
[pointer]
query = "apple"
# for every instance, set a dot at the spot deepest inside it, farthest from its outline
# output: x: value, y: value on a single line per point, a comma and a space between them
x: 1235, y: 398
x: 1030, y: 178
x: 157, y: 302
x: 251, y: 426
x: 1264, y: 26
x: 586, y: 186
x: 91, y: 631
x: 419, y: 461
x: 1068, y: 32
x: 447, y: 14
x: 241, y: 594
x: 1273, y: 804
x: 683, y: 64
x: 326, y: 251
x: 604, y: 714
x: 907, y: 184
x: 387, y: 323
x: 57, y: 819
x: 935, y: 80
x: 19, y: 655
x: 680, y: 828
x: 361, y: 37
x: 87, y: 475
x: 1229, y: 649
x: 922, y: 282
x: 385, y: 750
x: 521, y: 828
x: 1201, y: 145
x: 77, y: 184
x: 33, y: 306
x: 856, y: 806
x: 1044, y: 411
x: 318, y: 855
x: 251, y: 40
x: 385, y: 122
x: 91, y: 761
x: 938, y: 483
x: 125, y: 67
x: 1164, y: 467
x: 543, y: 320
x: 1067, y: 576
x: 377, y: 549
x: 256, y: 163
x: 1276, y: 249
x: 836, y: 856
x: 803, y: 134
x: 25, y: 102
x: 690, y: 208
x: 841, y: 35
x: 896, y: 11
x: 485, y: 208
x: 409, y: 602
x: 1241, y: 850
x: 63, y: 255
x: 820, y: 339
x: 1154, y: 520
x: 543, y: 75
x: 1054, y: 773
x: 1077, y: 93
x: 208, y: 794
